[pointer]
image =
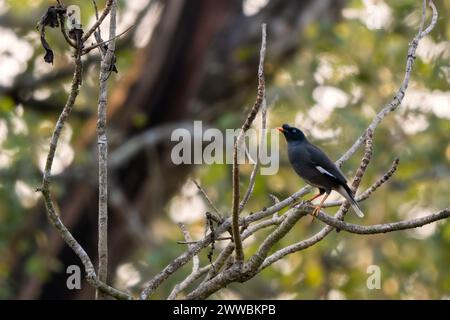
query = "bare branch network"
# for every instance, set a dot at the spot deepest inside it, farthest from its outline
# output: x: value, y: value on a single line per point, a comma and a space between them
x: 227, y: 267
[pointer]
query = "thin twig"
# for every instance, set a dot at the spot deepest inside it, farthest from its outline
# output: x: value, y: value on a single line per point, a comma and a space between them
x: 219, y: 217
x: 210, y: 226
x: 194, y: 242
x: 188, y: 238
x: 102, y: 142
x: 99, y: 21
x: 98, y: 31
x: 262, y: 141
x: 237, y: 147
x: 366, y: 194
x: 225, y: 254
x: 275, y: 201
x: 195, y: 267
x: 398, y: 98
x: 94, y: 2
x: 368, y: 153
x: 62, y: 22
x: 100, y: 43
x: 180, y: 261
x: 385, y: 227
x: 290, y: 220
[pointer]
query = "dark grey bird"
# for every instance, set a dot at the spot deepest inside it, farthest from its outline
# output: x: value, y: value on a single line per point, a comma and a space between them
x: 314, y: 166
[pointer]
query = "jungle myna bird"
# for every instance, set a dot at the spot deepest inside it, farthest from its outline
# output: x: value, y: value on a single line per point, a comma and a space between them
x: 314, y: 166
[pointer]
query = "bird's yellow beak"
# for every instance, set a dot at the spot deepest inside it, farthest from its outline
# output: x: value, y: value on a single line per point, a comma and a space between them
x: 280, y: 129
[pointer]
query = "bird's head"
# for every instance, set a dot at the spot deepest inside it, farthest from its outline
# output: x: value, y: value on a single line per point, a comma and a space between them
x: 292, y: 133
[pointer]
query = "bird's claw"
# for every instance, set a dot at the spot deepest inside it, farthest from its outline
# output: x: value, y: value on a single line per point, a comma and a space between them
x: 315, y: 213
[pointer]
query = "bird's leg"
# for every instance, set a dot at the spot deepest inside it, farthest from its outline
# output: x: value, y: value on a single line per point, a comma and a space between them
x: 296, y: 202
x: 315, y: 197
x: 319, y: 207
x: 321, y: 192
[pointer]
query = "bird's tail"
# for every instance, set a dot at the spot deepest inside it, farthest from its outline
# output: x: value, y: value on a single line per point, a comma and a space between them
x: 347, y: 194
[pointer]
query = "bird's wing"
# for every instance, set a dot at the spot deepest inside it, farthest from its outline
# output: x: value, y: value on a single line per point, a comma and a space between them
x: 324, y: 165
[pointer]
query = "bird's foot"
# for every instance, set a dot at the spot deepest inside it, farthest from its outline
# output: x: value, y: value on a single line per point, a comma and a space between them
x: 315, y: 213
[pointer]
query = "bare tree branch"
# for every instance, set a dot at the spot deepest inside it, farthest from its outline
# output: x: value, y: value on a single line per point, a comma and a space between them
x: 181, y: 260
x: 259, y: 260
x: 366, y: 194
x: 349, y: 227
x: 62, y: 22
x: 237, y: 147
x: 104, y: 42
x: 386, y: 227
x: 98, y: 31
x: 102, y: 142
x: 219, y: 217
x: 262, y: 141
x: 226, y: 253
x: 99, y: 21
x: 195, y: 267
x: 52, y: 215
x: 398, y: 98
